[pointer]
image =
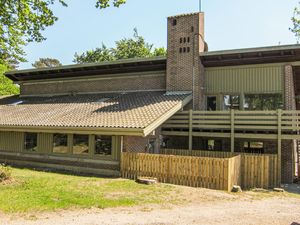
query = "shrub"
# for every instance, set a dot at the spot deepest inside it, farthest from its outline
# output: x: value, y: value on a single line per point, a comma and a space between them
x: 5, y: 172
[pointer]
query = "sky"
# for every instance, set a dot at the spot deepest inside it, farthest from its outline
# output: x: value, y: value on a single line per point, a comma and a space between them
x: 229, y: 24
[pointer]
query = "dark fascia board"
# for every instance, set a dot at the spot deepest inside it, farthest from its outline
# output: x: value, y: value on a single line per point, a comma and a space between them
x: 272, y: 54
x: 118, y: 66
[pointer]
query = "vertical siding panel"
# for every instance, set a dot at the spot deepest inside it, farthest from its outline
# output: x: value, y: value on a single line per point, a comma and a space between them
x: 250, y: 78
x: 11, y: 141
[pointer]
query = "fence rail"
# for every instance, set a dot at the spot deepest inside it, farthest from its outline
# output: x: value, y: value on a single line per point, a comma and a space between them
x: 215, y: 170
x: 199, y: 153
x: 284, y: 124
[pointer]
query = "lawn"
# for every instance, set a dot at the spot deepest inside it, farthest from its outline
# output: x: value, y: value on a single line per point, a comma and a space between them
x: 31, y: 191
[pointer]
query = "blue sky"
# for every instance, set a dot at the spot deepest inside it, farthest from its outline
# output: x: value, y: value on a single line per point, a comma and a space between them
x: 229, y: 24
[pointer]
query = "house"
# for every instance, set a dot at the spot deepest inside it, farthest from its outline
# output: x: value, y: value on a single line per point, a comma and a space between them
x: 81, y: 117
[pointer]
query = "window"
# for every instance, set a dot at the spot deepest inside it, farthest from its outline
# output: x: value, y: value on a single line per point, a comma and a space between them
x: 184, y: 40
x: 263, y: 102
x: 60, y: 143
x: 184, y: 49
x: 180, y: 40
x: 211, y: 103
x: 80, y: 144
x: 180, y: 50
x: 254, y: 147
x: 231, y: 102
x: 103, y: 145
x: 188, y: 49
x: 188, y: 39
x: 174, y: 22
x: 30, y: 142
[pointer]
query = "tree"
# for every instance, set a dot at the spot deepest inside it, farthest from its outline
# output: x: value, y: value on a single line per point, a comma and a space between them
x: 107, y: 3
x: 6, y: 86
x: 135, y: 47
x: 296, y: 22
x: 46, y: 63
x: 98, y: 55
x: 22, y: 21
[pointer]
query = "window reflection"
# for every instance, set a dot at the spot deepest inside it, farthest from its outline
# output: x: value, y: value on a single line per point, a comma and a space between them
x: 263, y: 102
x: 80, y: 144
x: 30, y: 142
x: 103, y: 145
x: 231, y: 102
x: 60, y: 143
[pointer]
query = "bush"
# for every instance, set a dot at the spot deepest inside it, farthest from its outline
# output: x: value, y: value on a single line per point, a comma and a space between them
x: 5, y: 172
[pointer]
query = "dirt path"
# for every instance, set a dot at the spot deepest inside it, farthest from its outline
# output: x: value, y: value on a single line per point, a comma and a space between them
x: 204, y: 207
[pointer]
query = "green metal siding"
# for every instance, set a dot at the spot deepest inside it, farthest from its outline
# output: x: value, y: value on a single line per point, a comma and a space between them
x: 246, y: 79
x: 45, y: 142
x: 12, y: 141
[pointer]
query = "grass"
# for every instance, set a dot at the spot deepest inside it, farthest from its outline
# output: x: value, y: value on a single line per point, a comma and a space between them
x: 5, y: 173
x: 34, y: 191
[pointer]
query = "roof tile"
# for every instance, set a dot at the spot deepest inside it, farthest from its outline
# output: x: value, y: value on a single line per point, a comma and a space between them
x: 131, y: 110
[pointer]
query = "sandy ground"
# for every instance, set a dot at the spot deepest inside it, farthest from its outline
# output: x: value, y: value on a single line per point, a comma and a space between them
x: 201, y: 206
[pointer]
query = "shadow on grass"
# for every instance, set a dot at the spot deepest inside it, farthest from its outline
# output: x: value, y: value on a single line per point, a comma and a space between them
x: 61, y: 171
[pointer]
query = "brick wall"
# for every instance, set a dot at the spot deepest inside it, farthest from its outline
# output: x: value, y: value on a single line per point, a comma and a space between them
x: 288, y: 147
x: 289, y: 89
x: 184, y: 69
x: 287, y: 171
x: 135, y: 144
x: 155, y: 81
x: 141, y: 144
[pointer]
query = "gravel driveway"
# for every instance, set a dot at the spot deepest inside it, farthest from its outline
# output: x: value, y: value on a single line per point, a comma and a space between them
x: 201, y: 206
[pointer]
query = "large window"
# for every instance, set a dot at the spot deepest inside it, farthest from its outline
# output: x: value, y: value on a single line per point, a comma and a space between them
x: 103, y: 145
x: 30, y: 142
x: 263, y: 102
x: 60, y: 143
x: 80, y: 144
x: 231, y: 102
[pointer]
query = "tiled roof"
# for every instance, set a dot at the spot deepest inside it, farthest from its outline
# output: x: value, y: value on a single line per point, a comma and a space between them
x: 131, y: 110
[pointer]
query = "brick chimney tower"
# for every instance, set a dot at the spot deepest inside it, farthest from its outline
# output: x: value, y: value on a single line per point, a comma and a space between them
x: 184, y: 69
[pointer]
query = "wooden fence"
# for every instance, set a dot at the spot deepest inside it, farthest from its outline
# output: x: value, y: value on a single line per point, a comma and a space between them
x: 257, y: 170
x: 207, y: 169
x: 214, y: 173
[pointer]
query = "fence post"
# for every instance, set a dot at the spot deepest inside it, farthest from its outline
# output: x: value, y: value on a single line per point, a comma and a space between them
x: 232, y: 130
x: 191, y: 130
x: 279, y: 114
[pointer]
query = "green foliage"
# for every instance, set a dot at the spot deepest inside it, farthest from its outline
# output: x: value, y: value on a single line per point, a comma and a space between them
x: 46, y: 63
x: 135, y: 47
x: 5, y: 173
x: 296, y: 23
x: 159, y: 52
x: 34, y: 191
x: 6, y: 86
x: 107, y: 3
x: 98, y: 55
x: 21, y: 22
